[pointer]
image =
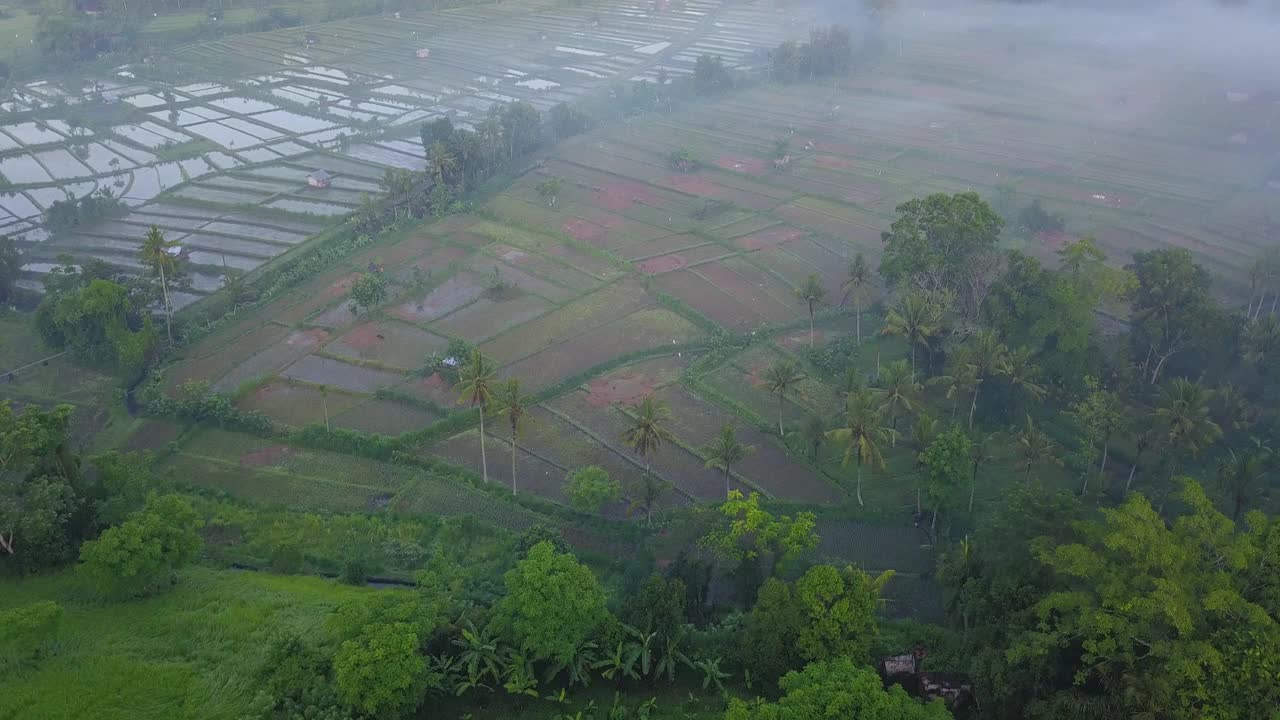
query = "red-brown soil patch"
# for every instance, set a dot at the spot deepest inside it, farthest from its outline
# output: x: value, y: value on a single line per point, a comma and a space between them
x: 1053, y: 239
x: 305, y: 339
x: 584, y: 230
x: 266, y: 456
x: 696, y: 184
x: 340, y: 287
x: 622, y: 194
x: 755, y: 376
x: 1109, y: 199
x: 831, y: 162
x: 743, y: 164
x: 626, y: 389
x: 772, y: 237
x: 362, y: 337
x: 661, y: 264
x: 800, y: 340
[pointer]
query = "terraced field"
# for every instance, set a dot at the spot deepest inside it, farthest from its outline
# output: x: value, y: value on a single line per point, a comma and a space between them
x: 221, y: 163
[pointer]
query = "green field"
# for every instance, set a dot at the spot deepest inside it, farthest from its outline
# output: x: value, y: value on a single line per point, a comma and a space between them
x: 192, y: 652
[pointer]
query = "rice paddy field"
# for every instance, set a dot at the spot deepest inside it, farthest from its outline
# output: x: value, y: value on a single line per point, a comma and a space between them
x: 627, y: 284
x: 214, y: 143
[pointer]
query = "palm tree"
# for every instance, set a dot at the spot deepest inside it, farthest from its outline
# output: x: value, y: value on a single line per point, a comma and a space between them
x: 156, y: 254
x: 812, y: 292
x: 899, y: 388
x: 813, y: 431
x: 440, y: 160
x: 983, y: 355
x: 782, y: 378
x: 1238, y: 472
x: 648, y: 429
x: 923, y: 432
x: 1141, y: 444
x: 724, y: 452
x: 961, y: 381
x: 862, y: 433
x: 1261, y: 340
x: 1034, y: 448
x: 855, y: 284
x: 1023, y: 374
x: 916, y: 318
x: 515, y: 407
x: 324, y: 401
x: 979, y: 452
x: 1183, y: 418
x: 475, y: 387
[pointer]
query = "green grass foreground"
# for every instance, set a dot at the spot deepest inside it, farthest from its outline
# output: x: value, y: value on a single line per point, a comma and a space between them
x: 190, y: 652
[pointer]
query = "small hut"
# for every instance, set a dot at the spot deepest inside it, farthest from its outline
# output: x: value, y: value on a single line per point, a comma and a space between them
x: 319, y: 179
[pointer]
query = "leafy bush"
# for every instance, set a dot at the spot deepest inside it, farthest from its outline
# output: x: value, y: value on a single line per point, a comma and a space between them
x: 591, y: 487
x: 196, y: 402
x: 1034, y: 219
x: 140, y: 556
x: 836, y: 357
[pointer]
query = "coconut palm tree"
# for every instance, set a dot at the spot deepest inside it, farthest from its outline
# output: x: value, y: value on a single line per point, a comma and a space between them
x: 1023, y: 374
x: 648, y: 429
x: 812, y: 432
x: 900, y: 389
x: 782, y: 378
x: 1261, y: 340
x: 324, y: 402
x: 514, y: 407
x: 1141, y: 444
x: 441, y: 161
x: 724, y: 452
x: 1183, y: 418
x: 1239, y: 471
x: 959, y: 382
x: 861, y: 434
x: 812, y: 292
x: 475, y: 388
x: 916, y: 318
x: 857, y: 279
x: 1034, y: 448
x: 923, y: 432
x: 980, y: 449
x: 157, y: 254
x: 984, y: 354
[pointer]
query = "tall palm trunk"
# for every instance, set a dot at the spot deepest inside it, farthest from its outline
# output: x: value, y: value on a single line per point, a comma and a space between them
x: 484, y: 462
x: 168, y: 314
x: 779, y: 414
x: 810, y: 325
x: 860, y: 503
x: 513, y: 462
x: 1106, y: 448
x: 973, y: 405
x: 858, y: 310
x: 726, y: 481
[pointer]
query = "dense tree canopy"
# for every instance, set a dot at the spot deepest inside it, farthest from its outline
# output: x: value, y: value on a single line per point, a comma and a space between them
x: 553, y: 605
x: 837, y: 689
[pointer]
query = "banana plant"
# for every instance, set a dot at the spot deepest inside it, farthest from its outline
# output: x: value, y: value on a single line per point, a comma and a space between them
x: 518, y: 676
x: 579, y: 666
x: 712, y: 674
x: 671, y: 657
x: 619, y: 664
x: 643, y: 645
x: 480, y: 656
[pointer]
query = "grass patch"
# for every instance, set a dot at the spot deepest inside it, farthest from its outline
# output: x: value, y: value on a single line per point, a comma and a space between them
x: 189, y: 653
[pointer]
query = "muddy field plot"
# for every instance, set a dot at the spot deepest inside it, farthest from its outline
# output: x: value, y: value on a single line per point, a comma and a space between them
x: 486, y: 318
x: 696, y: 421
x: 389, y: 343
x: 294, y: 404
x: 334, y: 373
x: 272, y: 359
x: 645, y: 329
x: 579, y: 316
x: 452, y: 294
x: 686, y: 471
x: 534, y: 474
x: 385, y: 417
